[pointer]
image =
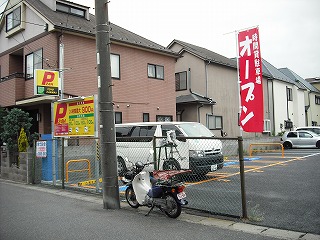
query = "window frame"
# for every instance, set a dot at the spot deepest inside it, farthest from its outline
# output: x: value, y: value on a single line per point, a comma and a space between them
x: 117, y: 77
x: 145, y: 117
x: 14, y: 25
x: 289, y: 94
x: 178, y: 81
x: 155, y: 74
x: 212, y: 124
x: 117, y: 114
x: 69, y: 9
x: 160, y: 117
x: 30, y: 74
x: 317, y: 100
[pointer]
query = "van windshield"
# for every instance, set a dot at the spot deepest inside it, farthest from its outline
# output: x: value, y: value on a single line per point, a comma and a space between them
x: 195, y: 130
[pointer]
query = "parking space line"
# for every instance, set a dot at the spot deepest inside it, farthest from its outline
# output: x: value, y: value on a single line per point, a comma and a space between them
x: 256, y: 169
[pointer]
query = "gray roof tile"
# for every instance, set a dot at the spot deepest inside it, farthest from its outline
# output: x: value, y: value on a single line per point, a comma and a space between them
x: 80, y: 25
x: 295, y: 77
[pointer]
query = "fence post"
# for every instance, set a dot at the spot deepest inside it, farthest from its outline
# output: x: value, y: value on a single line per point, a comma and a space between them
x: 154, y: 144
x: 62, y: 163
x: 242, y: 179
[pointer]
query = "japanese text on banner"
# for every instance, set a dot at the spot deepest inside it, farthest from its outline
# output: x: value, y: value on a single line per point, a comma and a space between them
x: 250, y: 74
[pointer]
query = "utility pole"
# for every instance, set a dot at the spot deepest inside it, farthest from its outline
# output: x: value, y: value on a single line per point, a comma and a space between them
x: 110, y: 186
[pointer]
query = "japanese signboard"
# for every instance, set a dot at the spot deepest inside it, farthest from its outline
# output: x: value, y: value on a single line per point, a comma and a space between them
x: 74, y: 117
x: 41, y: 149
x: 46, y: 82
x: 250, y: 74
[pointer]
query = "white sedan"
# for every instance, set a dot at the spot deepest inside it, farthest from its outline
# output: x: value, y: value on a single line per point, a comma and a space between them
x: 300, y: 139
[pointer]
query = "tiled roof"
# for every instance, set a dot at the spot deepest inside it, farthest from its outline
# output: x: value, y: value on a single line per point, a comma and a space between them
x: 272, y: 72
x: 205, y: 54
x: 297, y: 78
x: 80, y: 25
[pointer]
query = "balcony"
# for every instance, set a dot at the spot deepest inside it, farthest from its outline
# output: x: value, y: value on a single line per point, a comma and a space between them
x: 12, y: 88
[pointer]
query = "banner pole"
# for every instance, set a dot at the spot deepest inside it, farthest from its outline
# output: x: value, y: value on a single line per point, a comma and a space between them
x: 238, y: 77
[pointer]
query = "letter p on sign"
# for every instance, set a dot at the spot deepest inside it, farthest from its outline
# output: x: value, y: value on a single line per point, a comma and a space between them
x: 48, y: 77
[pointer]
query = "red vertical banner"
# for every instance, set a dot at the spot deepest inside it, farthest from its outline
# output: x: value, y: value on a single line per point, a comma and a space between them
x: 250, y: 74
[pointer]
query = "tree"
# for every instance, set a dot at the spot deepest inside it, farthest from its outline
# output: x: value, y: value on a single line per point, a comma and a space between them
x: 3, y: 113
x: 13, y: 122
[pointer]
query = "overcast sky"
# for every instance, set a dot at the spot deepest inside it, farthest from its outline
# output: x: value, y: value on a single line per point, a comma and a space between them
x: 289, y: 29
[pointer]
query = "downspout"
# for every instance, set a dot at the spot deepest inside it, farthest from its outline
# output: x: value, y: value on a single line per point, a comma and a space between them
x: 273, y: 114
x: 206, y: 74
x: 199, y: 112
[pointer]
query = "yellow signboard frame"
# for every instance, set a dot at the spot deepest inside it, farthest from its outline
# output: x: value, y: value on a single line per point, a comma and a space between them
x: 46, y: 82
x: 74, y: 118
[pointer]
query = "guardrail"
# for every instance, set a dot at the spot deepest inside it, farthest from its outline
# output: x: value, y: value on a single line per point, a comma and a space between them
x: 265, y: 150
x: 78, y: 170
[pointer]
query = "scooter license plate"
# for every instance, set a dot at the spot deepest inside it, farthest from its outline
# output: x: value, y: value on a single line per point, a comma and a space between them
x: 214, y: 167
x: 181, y: 195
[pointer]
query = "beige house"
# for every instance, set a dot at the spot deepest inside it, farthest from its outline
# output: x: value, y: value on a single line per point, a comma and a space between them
x: 207, y: 92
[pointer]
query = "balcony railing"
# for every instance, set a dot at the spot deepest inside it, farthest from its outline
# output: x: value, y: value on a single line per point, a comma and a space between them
x: 11, y: 76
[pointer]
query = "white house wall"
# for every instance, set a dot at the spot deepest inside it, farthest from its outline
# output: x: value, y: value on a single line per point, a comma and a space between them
x: 298, y: 108
x: 280, y: 105
x: 31, y: 19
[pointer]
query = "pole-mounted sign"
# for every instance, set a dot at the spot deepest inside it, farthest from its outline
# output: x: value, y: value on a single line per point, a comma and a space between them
x: 74, y: 117
x: 46, y: 82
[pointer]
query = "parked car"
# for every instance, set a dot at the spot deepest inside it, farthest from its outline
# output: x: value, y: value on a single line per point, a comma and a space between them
x: 310, y: 128
x: 300, y: 139
x: 201, y: 155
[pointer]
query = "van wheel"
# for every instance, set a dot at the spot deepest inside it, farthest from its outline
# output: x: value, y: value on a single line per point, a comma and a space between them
x: 171, y: 164
x: 318, y: 144
x: 122, y: 168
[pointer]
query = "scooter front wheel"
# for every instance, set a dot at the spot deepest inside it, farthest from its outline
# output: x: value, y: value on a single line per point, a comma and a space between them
x: 131, y: 197
x: 173, y: 208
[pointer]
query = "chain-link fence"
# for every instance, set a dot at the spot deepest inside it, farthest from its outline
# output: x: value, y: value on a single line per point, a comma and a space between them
x: 213, y: 183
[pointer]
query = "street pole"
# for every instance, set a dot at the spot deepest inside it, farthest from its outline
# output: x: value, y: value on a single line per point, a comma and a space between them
x: 110, y: 186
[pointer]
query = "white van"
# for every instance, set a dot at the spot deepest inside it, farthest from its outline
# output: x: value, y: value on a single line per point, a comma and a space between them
x: 199, y: 155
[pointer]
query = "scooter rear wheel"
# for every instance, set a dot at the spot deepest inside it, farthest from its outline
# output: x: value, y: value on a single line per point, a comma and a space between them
x: 173, y: 209
x: 131, y: 197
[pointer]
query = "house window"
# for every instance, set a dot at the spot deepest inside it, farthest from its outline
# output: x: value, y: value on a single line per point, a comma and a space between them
x: 118, y: 117
x: 289, y: 94
x: 317, y: 100
x: 214, y: 122
x: 146, y: 117
x: 155, y: 71
x: 266, y: 125
x: 13, y: 19
x: 70, y: 9
x: 181, y: 81
x: 115, y: 66
x: 33, y: 61
x: 164, y: 118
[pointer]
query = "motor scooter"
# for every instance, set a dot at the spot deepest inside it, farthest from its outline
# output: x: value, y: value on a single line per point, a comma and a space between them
x: 161, y: 189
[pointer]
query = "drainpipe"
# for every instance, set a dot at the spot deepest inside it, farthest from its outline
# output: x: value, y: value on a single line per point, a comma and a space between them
x: 199, y: 112
x: 206, y: 74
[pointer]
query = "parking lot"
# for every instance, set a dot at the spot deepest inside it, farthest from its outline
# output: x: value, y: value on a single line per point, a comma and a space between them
x: 281, y: 192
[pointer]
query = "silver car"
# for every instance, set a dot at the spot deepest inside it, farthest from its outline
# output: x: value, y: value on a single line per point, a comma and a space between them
x: 300, y: 139
x: 315, y: 129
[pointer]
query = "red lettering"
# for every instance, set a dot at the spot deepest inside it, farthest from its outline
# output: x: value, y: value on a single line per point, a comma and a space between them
x: 60, y: 112
x: 47, y: 78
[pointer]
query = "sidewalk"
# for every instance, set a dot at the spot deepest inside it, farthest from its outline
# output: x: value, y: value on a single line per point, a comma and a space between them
x: 186, y: 215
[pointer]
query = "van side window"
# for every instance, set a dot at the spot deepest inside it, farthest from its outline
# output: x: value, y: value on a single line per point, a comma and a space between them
x: 123, y: 131
x: 143, y: 131
x: 166, y: 128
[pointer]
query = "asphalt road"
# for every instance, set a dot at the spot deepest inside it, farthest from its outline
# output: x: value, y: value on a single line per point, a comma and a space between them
x: 287, y: 195
x: 32, y: 214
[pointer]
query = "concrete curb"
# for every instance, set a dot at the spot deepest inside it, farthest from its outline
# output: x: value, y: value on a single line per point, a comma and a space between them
x: 208, y: 221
